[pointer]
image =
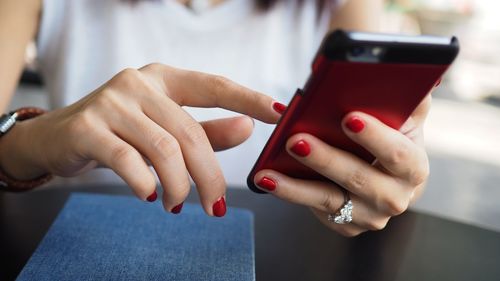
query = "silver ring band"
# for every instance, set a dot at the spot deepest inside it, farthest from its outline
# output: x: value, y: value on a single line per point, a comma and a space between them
x: 344, y: 213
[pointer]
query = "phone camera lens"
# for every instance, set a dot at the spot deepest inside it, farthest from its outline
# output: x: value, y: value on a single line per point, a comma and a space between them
x: 377, y: 51
x: 357, y: 51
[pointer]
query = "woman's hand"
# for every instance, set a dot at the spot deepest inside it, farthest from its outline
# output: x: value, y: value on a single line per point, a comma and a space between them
x: 377, y: 191
x: 137, y: 117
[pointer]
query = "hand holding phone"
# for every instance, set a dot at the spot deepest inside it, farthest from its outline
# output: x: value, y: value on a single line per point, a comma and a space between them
x: 350, y: 144
x: 385, y: 76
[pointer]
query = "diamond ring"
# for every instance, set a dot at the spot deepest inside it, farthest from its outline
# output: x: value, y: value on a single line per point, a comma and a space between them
x: 344, y: 214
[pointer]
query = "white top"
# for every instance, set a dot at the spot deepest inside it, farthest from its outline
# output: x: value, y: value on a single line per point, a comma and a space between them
x: 83, y: 43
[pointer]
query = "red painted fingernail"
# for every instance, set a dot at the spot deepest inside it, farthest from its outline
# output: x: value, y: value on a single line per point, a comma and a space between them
x: 267, y: 183
x: 219, y: 207
x: 438, y: 83
x: 355, y: 124
x: 177, y: 209
x: 301, y: 148
x: 279, y: 107
x: 152, y: 197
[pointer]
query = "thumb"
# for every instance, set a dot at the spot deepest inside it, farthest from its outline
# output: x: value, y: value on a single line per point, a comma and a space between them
x: 228, y: 132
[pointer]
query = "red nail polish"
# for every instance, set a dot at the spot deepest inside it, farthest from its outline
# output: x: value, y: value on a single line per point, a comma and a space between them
x: 301, y: 148
x: 177, y: 209
x: 267, y: 183
x: 219, y: 207
x: 438, y: 83
x: 279, y: 107
x: 355, y: 124
x: 152, y: 197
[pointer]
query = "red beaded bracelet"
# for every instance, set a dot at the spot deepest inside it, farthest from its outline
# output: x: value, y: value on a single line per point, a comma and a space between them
x: 7, y: 121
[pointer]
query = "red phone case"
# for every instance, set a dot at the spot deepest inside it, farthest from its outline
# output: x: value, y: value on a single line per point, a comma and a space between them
x: 388, y: 91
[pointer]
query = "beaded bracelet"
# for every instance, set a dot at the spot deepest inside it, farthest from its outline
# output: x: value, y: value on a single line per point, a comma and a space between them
x: 7, y: 121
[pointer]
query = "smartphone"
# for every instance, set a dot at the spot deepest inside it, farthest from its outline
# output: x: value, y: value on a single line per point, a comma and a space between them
x: 386, y: 76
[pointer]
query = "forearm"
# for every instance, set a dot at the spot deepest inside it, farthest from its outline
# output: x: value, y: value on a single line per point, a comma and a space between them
x: 362, y: 15
x: 18, y: 25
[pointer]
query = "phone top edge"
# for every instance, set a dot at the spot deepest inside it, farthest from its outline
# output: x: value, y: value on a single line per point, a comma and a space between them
x: 397, y: 38
x: 339, y: 45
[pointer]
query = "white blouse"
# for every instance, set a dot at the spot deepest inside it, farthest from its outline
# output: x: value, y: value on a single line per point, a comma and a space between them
x: 83, y: 43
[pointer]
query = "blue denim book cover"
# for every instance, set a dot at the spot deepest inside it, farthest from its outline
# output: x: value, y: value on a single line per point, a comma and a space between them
x: 106, y: 237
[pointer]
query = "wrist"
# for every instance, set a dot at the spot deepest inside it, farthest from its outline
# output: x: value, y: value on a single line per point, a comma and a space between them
x: 18, y: 157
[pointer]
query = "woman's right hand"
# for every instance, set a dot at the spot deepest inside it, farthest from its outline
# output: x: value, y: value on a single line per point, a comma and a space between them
x: 136, y: 117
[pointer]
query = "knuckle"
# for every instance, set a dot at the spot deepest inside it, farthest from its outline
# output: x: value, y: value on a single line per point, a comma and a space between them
x: 193, y: 133
x: 349, y: 233
x: 129, y: 73
x: 121, y: 155
x: 399, y: 155
x: 154, y: 67
x: 376, y: 225
x: 126, y: 78
x: 166, y: 146
x: 219, y: 82
x: 82, y: 123
x: 328, y: 202
x: 419, y: 176
x: 358, y: 179
x: 106, y: 99
x: 397, y: 207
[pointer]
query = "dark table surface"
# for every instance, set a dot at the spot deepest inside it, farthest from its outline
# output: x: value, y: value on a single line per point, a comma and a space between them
x: 290, y: 243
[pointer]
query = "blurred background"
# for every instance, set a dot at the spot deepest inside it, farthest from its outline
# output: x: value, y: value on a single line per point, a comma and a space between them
x: 463, y: 129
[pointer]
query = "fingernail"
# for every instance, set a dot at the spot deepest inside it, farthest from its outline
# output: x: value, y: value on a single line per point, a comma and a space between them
x: 177, y: 209
x: 267, y: 183
x: 219, y: 207
x: 301, y: 148
x: 438, y: 83
x: 152, y: 197
x: 279, y: 107
x: 355, y: 124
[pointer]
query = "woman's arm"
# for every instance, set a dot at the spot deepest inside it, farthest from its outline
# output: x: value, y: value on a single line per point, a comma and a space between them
x: 362, y: 15
x: 18, y: 25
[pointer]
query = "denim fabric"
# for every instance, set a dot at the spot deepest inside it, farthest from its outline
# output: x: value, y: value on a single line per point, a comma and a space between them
x: 104, y: 237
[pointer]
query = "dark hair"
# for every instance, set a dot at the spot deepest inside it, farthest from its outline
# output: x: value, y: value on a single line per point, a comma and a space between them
x: 263, y: 5
x: 267, y: 4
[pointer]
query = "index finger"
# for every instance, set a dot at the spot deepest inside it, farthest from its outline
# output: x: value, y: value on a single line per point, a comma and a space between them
x: 193, y: 88
x: 396, y: 152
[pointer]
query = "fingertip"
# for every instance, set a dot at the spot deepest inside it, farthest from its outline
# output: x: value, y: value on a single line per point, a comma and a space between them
x: 241, y: 128
x: 144, y: 187
x: 279, y: 107
x: 248, y: 123
x: 174, y: 197
x: 273, y: 112
x: 152, y: 197
x: 247, y: 120
x: 266, y: 180
x: 354, y: 122
x: 267, y: 184
x: 300, y: 145
x: 296, y: 138
x: 228, y: 132
x: 219, y: 208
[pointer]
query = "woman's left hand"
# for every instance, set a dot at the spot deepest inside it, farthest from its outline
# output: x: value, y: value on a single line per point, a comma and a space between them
x: 378, y: 191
